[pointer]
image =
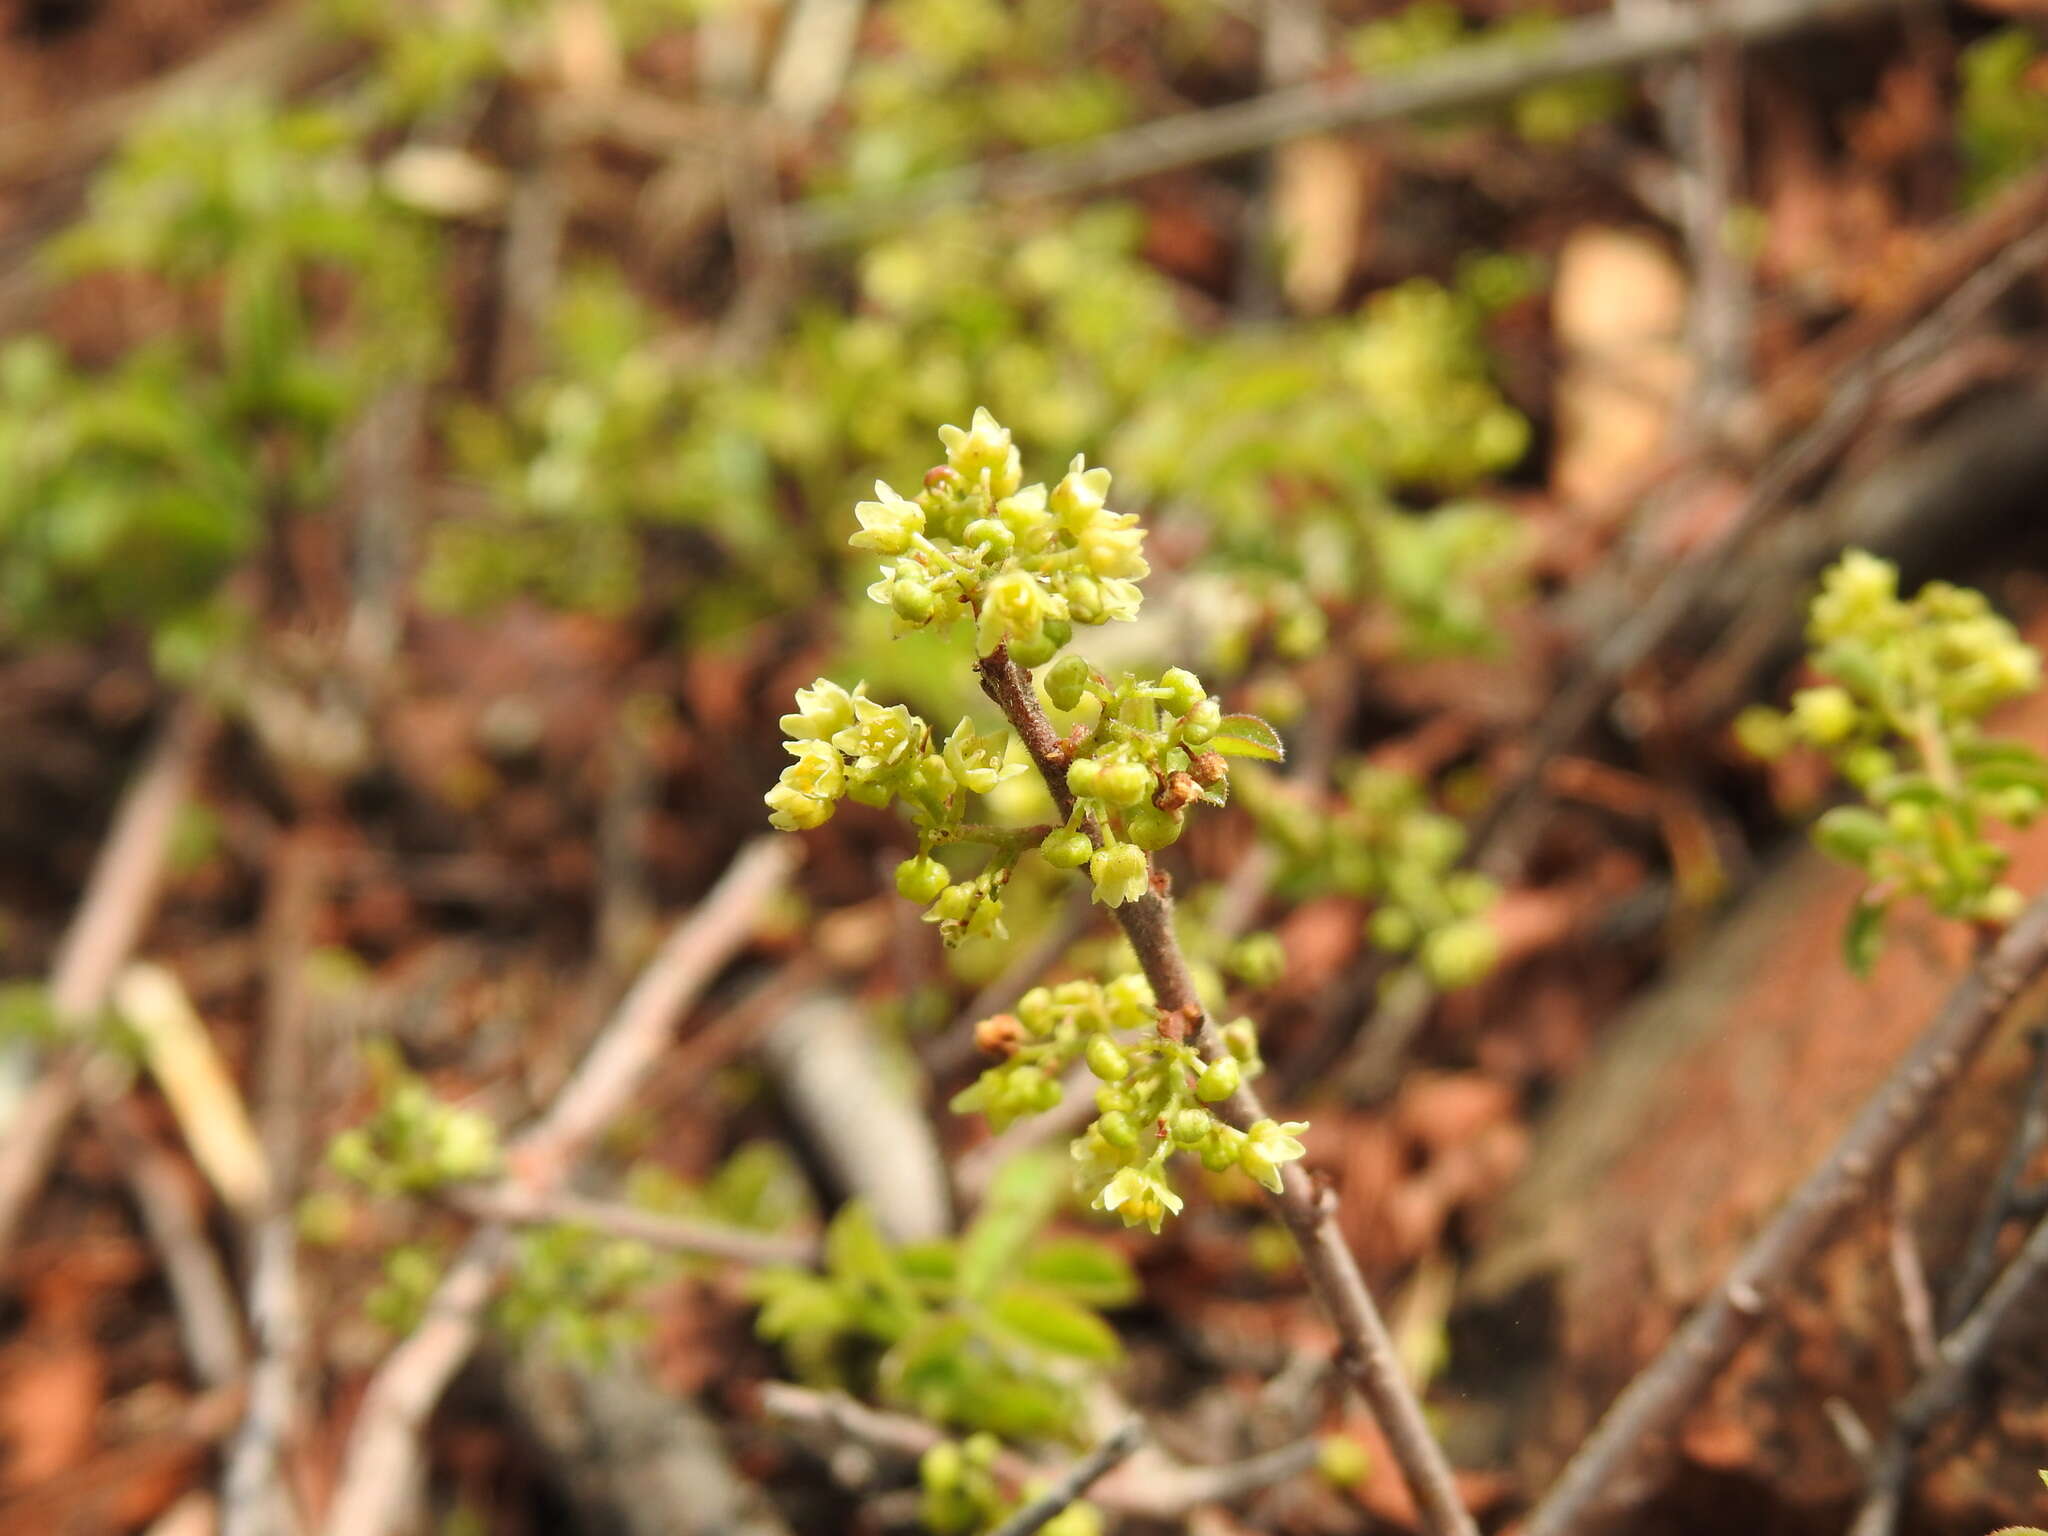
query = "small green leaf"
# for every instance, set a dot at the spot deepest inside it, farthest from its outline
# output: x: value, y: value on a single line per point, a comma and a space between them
x: 1852, y: 834
x: 1017, y: 1206
x: 1081, y: 1270
x: 1864, y: 933
x: 1248, y: 736
x: 1048, y: 1321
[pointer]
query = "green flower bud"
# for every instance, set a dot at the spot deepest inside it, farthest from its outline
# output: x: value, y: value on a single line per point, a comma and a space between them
x: 992, y: 534
x: 2001, y: 904
x: 1084, y: 778
x: 1033, y: 650
x: 1151, y: 828
x: 1190, y: 1126
x: 1242, y: 1040
x: 1066, y: 850
x: 940, y: 1468
x: 982, y: 1448
x: 1184, y: 690
x: 1763, y: 733
x: 1124, y: 783
x: 1391, y: 929
x: 921, y: 879
x: 1825, y: 715
x: 1107, y: 1060
x: 1116, y: 1129
x: 1067, y: 682
x: 912, y: 600
x: 1201, y: 723
x: 952, y: 904
x: 1219, y: 1080
x: 1257, y: 959
x: 1342, y: 1461
x: 1461, y: 953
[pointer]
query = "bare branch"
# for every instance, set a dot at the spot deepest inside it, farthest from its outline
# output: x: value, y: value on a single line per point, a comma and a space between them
x: 509, y: 1204
x: 1071, y: 1484
x: 1471, y: 77
x: 1596, y: 1485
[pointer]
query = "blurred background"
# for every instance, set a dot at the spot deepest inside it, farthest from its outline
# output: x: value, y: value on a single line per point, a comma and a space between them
x: 429, y: 433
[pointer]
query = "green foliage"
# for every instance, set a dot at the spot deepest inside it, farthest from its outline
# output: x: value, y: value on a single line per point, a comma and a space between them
x: 572, y: 1290
x: 962, y: 1494
x: 1382, y: 843
x: 298, y: 290
x: 1430, y: 29
x: 124, y: 498
x: 996, y: 1330
x: 413, y: 1142
x: 1901, y: 717
x: 967, y: 75
x: 2002, y: 113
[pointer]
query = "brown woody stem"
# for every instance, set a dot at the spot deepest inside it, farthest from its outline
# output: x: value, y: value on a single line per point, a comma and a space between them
x: 1366, y: 1351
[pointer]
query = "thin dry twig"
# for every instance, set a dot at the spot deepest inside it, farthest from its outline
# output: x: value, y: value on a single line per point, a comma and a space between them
x: 511, y: 1205
x: 1980, y: 1254
x: 1146, y: 1486
x: 1601, y: 1480
x: 119, y: 897
x: 1035, y: 1514
x: 380, y: 1474
x: 1945, y: 1383
x: 1470, y: 77
x: 1367, y: 1351
x: 255, y: 1498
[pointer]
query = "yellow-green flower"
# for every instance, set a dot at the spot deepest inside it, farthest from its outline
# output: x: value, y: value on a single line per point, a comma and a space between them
x: 1015, y: 607
x: 978, y: 763
x: 888, y: 524
x: 985, y: 447
x: 1141, y: 1196
x: 1268, y: 1146
x: 1120, y: 874
x: 821, y: 710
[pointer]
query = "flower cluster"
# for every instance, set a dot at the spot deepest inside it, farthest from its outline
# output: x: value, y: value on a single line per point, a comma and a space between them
x: 1141, y: 751
x: 1154, y: 1097
x: 1028, y: 564
x: 1908, y: 684
x: 962, y: 1493
x: 1382, y: 842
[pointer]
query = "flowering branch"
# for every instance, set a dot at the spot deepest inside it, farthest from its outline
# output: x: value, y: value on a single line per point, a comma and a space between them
x: 1367, y: 1353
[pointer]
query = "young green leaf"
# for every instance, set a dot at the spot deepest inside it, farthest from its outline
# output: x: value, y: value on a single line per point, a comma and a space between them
x: 1049, y: 1322
x: 1248, y: 736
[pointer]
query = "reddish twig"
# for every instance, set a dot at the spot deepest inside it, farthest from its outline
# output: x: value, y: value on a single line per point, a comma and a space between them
x: 1368, y: 1354
x: 1599, y: 1483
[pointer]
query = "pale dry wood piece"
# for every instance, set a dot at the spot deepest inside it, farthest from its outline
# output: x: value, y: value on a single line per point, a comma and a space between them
x: 509, y: 1204
x: 382, y: 1467
x: 810, y: 67
x: 1467, y: 78
x: 637, y: 1460
x: 180, y: 1054
x: 256, y: 1497
x: 856, y: 1103
x: 119, y: 897
x: 1366, y: 1351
